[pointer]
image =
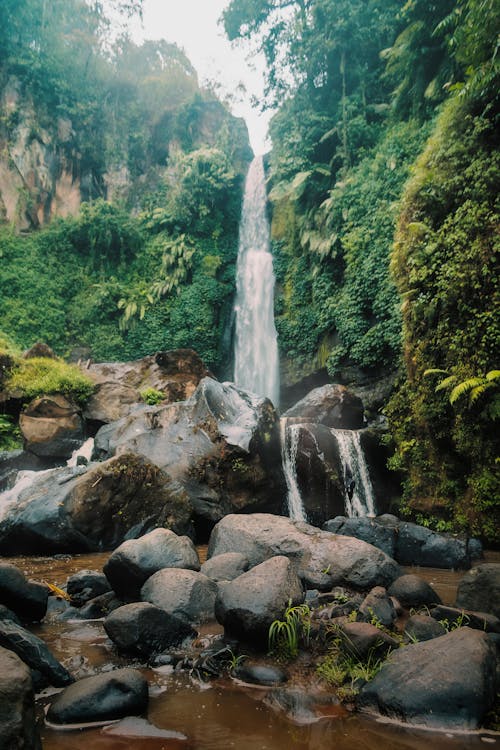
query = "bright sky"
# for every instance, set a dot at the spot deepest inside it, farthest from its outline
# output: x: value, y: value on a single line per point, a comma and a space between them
x: 193, y: 25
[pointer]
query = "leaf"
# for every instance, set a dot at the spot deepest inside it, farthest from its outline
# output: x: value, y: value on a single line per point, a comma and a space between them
x: 446, y: 383
x: 462, y: 388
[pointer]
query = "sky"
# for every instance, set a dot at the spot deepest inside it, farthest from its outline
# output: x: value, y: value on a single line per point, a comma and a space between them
x: 193, y: 25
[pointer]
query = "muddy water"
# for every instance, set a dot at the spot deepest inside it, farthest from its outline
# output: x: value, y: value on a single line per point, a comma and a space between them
x: 186, y: 713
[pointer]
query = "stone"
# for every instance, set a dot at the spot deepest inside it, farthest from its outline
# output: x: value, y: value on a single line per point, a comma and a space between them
x: 331, y: 405
x: 144, y: 629
x: 364, y: 641
x: 103, y: 697
x: 364, y: 528
x: 184, y: 593
x: 479, y: 589
x: 417, y: 545
x: 14, y: 462
x: 52, y: 426
x: 447, y: 682
x: 18, y: 727
x: 247, y: 606
x: 413, y: 591
x: 455, y: 617
x: 110, y: 401
x: 94, y: 609
x: 8, y: 614
x: 322, y: 559
x: 225, y: 567
x: 86, y: 585
x: 260, y: 674
x: 423, y: 628
x: 27, y: 599
x: 33, y: 651
x: 378, y: 607
x: 135, y: 560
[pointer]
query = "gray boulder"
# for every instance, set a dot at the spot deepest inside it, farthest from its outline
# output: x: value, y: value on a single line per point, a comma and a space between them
x: 27, y: 599
x: 225, y: 567
x: 260, y: 674
x: 33, y: 651
x: 363, y: 641
x: 248, y: 605
x: 135, y: 560
x: 331, y: 405
x: 479, y: 589
x: 417, y: 545
x: 86, y: 585
x: 102, y: 697
x: 186, y: 594
x: 423, y: 628
x: 377, y: 607
x: 413, y: 591
x: 364, y: 528
x: 447, y: 682
x: 320, y: 558
x: 110, y: 401
x: 144, y: 629
x: 17, y: 705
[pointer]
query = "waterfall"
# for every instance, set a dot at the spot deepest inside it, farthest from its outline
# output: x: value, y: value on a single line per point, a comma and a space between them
x: 289, y: 445
x: 359, y: 501
x: 256, y: 366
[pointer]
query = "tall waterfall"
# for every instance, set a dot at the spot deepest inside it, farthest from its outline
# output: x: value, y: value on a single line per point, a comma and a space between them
x: 289, y: 447
x: 256, y: 366
x: 359, y: 496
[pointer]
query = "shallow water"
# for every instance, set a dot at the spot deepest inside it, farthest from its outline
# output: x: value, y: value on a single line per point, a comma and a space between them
x: 223, y: 713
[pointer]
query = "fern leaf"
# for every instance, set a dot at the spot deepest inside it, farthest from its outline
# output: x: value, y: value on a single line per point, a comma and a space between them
x: 435, y: 371
x: 446, y: 383
x: 493, y: 375
x: 462, y: 388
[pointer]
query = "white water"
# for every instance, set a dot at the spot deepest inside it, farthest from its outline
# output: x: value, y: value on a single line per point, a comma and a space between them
x: 362, y: 502
x: 85, y: 450
x: 256, y: 366
x: 289, y: 446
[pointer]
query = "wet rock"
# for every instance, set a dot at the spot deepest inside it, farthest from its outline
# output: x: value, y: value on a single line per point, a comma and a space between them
x: 94, y: 609
x: 145, y: 629
x: 446, y: 682
x: 13, y: 462
x: 17, y: 705
x: 321, y: 558
x: 413, y: 591
x: 475, y: 549
x: 110, y: 401
x: 377, y: 606
x: 52, y: 426
x: 8, y: 614
x: 33, y: 651
x: 295, y: 703
x: 86, y: 585
x: 184, y: 593
x: 423, y: 628
x: 453, y: 616
x: 363, y: 641
x: 225, y: 567
x: 103, y: 697
x: 134, y: 561
x: 331, y: 405
x: 479, y: 589
x: 364, y: 528
x: 260, y: 674
x: 26, y: 598
x: 248, y: 605
x: 417, y: 545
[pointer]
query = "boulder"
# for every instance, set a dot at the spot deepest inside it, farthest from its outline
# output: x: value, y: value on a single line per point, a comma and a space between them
x: 110, y: 401
x: 248, y: 605
x: 33, y: 651
x: 364, y: 528
x: 13, y: 462
x: 479, y: 589
x: 423, y: 628
x: 26, y: 598
x: 446, y: 682
x: 454, y: 618
x: 135, y: 560
x: 260, y: 674
x: 103, y: 697
x: 321, y: 559
x: 8, y: 614
x: 17, y: 705
x: 225, y: 567
x: 331, y: 405
x: 417, y: 545
x: 82, y: 510
x: 413, y: 591
x: 184, y: 593
x: 364, y: 641
x: 52, y: 426
x: 144, y: 629
x: 378, y: 607
x: 86, y: 585
x: 96, y: 608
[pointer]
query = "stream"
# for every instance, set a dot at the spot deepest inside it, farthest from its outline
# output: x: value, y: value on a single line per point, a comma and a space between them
x: 187, y: 713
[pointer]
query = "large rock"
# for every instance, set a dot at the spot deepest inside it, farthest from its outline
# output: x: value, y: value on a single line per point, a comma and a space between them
x: 446, y: 682
x: 52, y: 426
x: 423, y: 628
x: 322, y: 559
x: 79, y: 510
x: 479, y: 589
x: 27, y: 599
x: 110, y: 401
x: 364, y: 528
x: 377, y: 608
x: 184, y: 593
x: 144, y: 629
x: 364, y: 641
x: 13, y: 462
x: 225, y: 567
x: 134, y: 561
x: 222, y: 444
x: 413, y: 591
x: 102, y: 697
x: 18, y: 730
x: 417, y: 545
x: 33, y: 651
x: 332, y: 405
x: 248, y: 605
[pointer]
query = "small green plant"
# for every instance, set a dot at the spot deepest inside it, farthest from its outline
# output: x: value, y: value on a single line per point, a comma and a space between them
x: 10, y: 435
x: 152, y: 397
x: 285, y: 635
x: 461, y: 621
x: 234, y: 660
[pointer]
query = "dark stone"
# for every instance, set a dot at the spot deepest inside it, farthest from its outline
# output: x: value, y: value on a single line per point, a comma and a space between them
x: 413, y: 591
x: 331, y: 405
x: 86, y: 585
x: 248, y: 605
x: 12, y: 462
x: 225, y: 567
x: 134, y: 561
x: 459, y: 617
x: 364, y: 528
x: 33, y: 652
x: 98, y: 607
x: 18, y: 728
x: 479, y: 589
x: 417, y: 545
x: 362, y: 641
x: 446, y: 682
x: 186, y: 594
x: 378, y: 606
x: 26, y: 598
x: 103, y: 697
x: 261, y: 674
x: 145, y: 629
x: 8, y: 614
x: 52, y: 426
x: 423, y: 628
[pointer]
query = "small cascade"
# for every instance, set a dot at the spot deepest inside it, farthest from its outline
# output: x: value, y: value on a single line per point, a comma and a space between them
x: 359, y: 496
x: 256, y: 366
x: 84, y: 451
x: 289, y: 445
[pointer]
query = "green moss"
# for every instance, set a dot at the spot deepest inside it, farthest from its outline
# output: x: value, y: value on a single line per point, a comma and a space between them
x: 40, y: 375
